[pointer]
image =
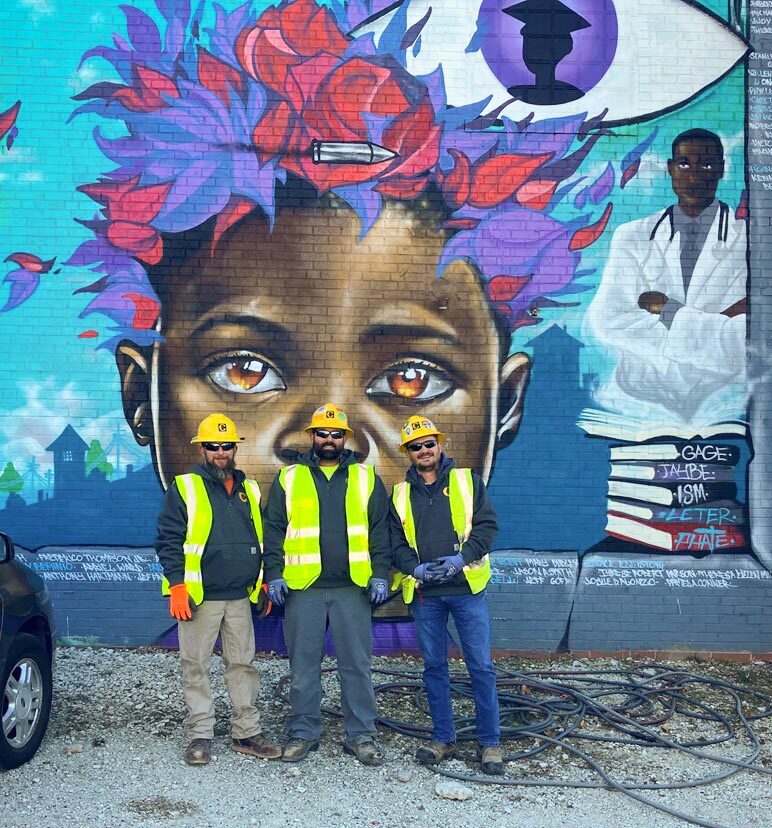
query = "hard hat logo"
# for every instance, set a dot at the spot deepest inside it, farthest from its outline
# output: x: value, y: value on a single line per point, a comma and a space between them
x: 324, y: 414
x: 413, y: 429
x: 217, y: 427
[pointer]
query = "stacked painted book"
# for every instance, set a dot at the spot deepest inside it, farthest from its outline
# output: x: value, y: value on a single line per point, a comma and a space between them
x: 676, y: 496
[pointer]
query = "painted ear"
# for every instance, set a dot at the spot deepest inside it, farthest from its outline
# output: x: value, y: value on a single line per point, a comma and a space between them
x: 132, y: 363
x: 515, y: 374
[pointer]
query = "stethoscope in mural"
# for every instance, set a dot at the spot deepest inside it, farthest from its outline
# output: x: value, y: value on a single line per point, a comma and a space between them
x: 722, y: 231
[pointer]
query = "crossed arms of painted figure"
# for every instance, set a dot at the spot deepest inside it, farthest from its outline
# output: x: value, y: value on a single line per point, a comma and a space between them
x: 707, y: 331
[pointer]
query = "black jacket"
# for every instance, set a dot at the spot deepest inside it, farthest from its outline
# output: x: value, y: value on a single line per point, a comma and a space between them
x: 332, y: 517
x: 232, y: 557
x: 435, y: 535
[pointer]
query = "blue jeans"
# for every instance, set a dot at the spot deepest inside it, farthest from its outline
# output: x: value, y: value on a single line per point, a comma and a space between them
x: 470, y: 615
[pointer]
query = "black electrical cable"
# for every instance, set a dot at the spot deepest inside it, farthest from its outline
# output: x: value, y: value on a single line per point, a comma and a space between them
x: 631, y: 706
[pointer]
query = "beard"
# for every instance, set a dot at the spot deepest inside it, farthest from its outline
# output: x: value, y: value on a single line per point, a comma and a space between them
x: 222, y: 472
x: 328, y: 452
x: 428, y: 464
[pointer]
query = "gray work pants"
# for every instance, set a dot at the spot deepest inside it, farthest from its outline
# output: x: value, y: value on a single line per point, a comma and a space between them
x: 232, y: 620
x: 306, y: 616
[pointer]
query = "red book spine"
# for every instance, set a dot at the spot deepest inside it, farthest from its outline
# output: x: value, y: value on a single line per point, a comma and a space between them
x: 683, y: 537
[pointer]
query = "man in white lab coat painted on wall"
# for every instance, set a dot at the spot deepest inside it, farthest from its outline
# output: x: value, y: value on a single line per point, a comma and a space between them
x: 672, y: 299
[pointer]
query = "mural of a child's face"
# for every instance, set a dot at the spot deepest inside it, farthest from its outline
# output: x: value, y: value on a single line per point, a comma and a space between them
x: 282, y: 320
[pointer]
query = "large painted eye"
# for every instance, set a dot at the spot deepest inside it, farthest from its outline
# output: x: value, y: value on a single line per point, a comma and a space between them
x: 563, y: 58
x: 411, y: 380
x: 244, y: 373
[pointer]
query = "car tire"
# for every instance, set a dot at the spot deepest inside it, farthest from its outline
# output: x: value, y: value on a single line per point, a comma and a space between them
x: 24, y: 715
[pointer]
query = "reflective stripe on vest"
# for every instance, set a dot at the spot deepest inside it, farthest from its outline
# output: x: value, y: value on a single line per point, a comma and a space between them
x: 461, y: 494
x: 252, y: 490
x: 302, y: 548
x: 199, y: 509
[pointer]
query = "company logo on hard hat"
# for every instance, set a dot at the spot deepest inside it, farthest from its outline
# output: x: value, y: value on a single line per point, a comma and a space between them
x: 330, y: 415
x: 415, y: 425
x: 222, y: 427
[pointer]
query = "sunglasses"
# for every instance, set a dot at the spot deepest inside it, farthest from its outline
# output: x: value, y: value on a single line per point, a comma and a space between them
x: 324, y: 434
x: 419, y: 446
x: 218, y: 446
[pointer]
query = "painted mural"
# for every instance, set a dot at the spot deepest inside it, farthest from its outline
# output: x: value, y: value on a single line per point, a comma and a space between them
x: 522, y: 219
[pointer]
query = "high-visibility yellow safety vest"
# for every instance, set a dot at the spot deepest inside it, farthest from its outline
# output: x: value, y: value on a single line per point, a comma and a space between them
x: 461, y: 494
x: 193, y: 491
x: 302, y: 549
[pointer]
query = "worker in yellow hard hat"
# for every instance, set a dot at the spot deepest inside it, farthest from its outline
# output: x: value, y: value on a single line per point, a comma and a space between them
x: 442, y: 527
x: 415, y: 428
x: 326, y: 552
x: 217, y: 428
x: 209, y: 542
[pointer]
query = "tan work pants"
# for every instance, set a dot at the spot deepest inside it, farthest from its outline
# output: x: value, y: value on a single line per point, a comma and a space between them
x: 232, y: 621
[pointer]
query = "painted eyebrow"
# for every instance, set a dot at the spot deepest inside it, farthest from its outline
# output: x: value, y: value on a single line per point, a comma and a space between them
x: 375, y: 331
x: 711, y: 159
x: 265, y: 327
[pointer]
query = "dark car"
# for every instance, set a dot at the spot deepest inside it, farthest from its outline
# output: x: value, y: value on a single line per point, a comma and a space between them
x: 26, y: 658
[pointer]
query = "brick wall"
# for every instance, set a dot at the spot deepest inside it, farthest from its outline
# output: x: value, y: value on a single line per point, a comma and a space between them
x: 481, y: 252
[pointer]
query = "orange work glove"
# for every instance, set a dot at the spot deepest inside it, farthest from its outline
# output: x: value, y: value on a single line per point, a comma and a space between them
x: 179, y: 605
x: 264, y: 603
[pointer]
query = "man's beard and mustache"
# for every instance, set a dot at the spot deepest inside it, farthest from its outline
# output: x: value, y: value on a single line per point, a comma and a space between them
x: 222, y: 472
x: 428, y: 464
x: 328, y: 451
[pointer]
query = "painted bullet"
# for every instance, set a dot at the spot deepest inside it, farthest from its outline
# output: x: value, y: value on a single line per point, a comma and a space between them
x: 349, y: 152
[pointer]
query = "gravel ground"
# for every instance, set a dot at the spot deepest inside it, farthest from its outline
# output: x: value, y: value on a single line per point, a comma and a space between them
x: 113, y: 757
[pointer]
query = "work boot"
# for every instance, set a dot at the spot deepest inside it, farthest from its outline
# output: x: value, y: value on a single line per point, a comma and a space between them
x: 435, y: 752
x: 367, y: 752
x: 198, y: 752
x: 257, y: 745
x: 491, y: 760
x: 297, y: 749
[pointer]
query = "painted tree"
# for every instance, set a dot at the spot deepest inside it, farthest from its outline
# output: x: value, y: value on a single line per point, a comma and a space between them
x: 11, y: 481
x: 95, y: 459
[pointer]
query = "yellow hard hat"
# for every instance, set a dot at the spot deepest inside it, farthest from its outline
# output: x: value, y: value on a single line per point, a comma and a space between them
x: 418, y: 426
x: 329, y: 416
x: 217, y: 428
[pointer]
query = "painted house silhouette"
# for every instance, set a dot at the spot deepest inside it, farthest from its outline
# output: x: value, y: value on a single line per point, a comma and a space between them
x: 69, y: 451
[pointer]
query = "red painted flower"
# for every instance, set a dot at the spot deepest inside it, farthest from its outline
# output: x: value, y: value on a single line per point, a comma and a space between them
x: 129, y: 210
x: 148, y: 91
x: 285, y: 37
x: 217, y: 76
x: 297, y: 51
x: 494, y: 180
x: 336, y: 111
x: 31, y: 262
x: 8, y: 123
x: 589, y: 235
x: 146, y: 310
